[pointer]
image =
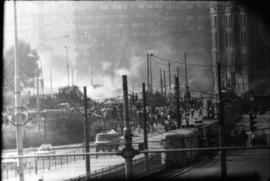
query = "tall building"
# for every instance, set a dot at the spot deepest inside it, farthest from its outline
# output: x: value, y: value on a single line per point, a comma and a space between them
x: 236, y: 43
x: 113, y: 35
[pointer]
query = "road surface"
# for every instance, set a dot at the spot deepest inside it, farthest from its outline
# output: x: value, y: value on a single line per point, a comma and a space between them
x: 77, y: 168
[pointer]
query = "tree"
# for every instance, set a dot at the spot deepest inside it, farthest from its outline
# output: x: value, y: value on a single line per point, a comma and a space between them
x: 71, y: 95
x: 27, y: 59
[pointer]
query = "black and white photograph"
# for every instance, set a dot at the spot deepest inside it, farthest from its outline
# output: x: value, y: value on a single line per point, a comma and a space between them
x: 135, y: 90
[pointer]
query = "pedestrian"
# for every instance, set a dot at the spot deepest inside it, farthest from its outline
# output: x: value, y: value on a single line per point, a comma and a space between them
x: 245, y: 137
x: 166, y: 125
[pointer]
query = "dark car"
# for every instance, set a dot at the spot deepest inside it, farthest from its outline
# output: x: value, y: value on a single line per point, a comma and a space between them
x: 258, y: 138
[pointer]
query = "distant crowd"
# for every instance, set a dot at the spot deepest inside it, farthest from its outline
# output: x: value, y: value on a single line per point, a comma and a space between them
x: 192, y: 111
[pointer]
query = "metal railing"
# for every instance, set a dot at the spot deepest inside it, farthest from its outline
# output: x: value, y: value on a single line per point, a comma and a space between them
x: 34, y: 164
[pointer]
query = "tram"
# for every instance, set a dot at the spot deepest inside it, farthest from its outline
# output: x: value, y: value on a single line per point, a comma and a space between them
x: 202, y: 135
x: 179, y: 138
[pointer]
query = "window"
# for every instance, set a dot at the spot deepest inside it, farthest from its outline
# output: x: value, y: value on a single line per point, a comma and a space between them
x: 226, y: 39
x: 230, y: 21
x: 216, y: 39
x: 244, y: 38
x: 244, y: 19
x: 231, y: 40
x: 241, y: 20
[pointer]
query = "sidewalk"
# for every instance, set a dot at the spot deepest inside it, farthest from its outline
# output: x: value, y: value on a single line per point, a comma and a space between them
x: 241, y: 162
x: 245, y: 164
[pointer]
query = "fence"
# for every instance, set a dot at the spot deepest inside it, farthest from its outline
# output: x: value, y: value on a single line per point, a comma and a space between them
x: 118, y: 171
x: 34, y: 164
x: 41, y: 164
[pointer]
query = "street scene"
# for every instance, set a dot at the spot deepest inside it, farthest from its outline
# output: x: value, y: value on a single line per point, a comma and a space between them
x: 97, y: 90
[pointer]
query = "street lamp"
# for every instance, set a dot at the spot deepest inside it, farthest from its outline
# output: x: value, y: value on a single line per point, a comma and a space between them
x: 37, y: 97
x: 67, y: 63
x: 54, y: 38
x: 19, y: 116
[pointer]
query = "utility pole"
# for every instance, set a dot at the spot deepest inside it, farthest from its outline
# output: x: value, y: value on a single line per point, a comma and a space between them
x: 72, y: 76
x: 19, y: 116
x: 86, y: 136
x: 91, y: 75
x: 187, y: 93
x: 178, y: 72
x: 186, y: 72
x: 161, y: 82
x: 42, y: 79
x: 67, y: 64
x: 151, y: 78
x: 169, y: 67
x: 178, y: 75
x: 221, y: 126
x: 45, y: 128
x: 243, y: 79
x: 133, y: 84
x: 37, y: 99
x: 148, y: 86
x: 51, y: 78
x: 164, y: 79
x: 178, y: 116
x: 145, y: 127
x: 128, y: 150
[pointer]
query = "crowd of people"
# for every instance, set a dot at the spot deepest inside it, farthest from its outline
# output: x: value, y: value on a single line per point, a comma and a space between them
x: 190, y: 112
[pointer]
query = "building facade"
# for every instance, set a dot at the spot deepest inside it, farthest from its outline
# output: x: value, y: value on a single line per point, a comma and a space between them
x: 237, y: 46
x: 114, y: 32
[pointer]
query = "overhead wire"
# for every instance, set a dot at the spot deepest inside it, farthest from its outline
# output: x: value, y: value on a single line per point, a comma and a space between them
x: 177, y: 62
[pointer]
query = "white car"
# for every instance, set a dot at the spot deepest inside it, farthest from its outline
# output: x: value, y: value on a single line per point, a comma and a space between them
x: 45, y: 149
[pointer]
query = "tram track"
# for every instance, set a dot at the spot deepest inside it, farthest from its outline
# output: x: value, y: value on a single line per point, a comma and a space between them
x: 169, y: 175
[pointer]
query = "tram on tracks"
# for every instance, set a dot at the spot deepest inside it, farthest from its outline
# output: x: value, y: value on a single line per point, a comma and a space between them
x: 199, y: 136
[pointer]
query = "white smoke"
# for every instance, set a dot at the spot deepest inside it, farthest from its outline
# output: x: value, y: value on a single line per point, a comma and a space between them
x: 112, y: 86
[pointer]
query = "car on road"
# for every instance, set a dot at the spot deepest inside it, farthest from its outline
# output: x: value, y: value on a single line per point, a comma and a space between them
x: 107, y: 141
x: 258, y: 138
x: 45, y: 149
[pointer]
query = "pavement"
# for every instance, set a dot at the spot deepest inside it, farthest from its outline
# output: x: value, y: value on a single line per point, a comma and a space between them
x: 240, y: 162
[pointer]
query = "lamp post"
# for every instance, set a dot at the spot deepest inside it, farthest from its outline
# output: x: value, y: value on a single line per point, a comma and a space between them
x: 19, y: 116
x: 67, y: 63
x: 37, y: 97
x: 50, y: 39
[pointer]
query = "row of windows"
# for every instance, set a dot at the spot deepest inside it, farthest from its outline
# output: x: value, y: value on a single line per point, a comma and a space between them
x: 143, y: 16
x: 228, y: 39
x: 167, y: 26
x: 229, y: 20
x: 243, y: 38
x: 243, y: 58
x: 82, y: 37
x: 243, y: 19
x: 141, y: 5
